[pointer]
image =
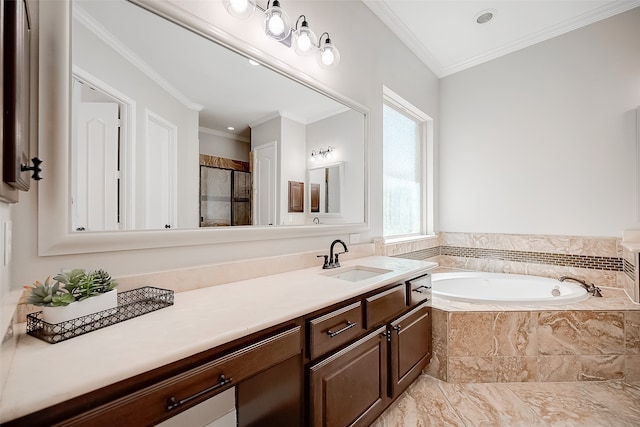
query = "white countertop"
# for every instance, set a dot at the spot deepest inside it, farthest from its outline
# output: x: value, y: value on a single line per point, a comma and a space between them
x: 44, y: 374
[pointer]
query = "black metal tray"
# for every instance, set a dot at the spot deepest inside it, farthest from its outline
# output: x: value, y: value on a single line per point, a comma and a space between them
x: 133, y: 303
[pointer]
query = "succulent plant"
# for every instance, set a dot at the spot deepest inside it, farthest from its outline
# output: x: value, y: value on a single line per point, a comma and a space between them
x: 69, y: 286
x: 47, y: 294
x: 82, y: 284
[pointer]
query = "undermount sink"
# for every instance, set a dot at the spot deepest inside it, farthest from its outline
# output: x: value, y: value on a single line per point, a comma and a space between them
x: 357, y: 273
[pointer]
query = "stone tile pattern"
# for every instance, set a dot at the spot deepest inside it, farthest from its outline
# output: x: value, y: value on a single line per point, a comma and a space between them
x: 430, y: 402
x: 600, y: 260
x: 535, y: 346
x: 580, y: 261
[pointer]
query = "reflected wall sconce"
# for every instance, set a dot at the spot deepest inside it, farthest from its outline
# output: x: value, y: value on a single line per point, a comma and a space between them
x: 321, y: 154
x: 277, y: 26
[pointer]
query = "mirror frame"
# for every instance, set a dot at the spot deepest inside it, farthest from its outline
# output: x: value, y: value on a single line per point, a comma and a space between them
x: 54, y: 235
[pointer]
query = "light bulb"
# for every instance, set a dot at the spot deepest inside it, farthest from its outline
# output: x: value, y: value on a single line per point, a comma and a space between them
x: 276, y: 25
x: 239, y: 6
x: 304, y: 42
x: 327, y: 57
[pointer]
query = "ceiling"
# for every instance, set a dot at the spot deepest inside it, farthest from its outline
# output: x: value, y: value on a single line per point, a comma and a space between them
x: 447, y: 38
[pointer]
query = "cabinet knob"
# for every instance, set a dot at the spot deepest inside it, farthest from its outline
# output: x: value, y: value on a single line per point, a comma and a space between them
x: 35, y: 168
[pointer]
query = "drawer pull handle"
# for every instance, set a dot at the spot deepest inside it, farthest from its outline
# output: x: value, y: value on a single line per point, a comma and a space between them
x: 418, y: 289
x: 173, y: 403
x: 349, y: 326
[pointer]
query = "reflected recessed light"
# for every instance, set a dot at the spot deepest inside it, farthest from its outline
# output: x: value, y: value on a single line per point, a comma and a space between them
x: 230, y: 128
x: 485, y: 16
x: 252, y: 62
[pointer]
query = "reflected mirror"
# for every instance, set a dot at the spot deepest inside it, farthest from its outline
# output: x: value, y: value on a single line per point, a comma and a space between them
x: 325, y: 189
x: 159, y: 113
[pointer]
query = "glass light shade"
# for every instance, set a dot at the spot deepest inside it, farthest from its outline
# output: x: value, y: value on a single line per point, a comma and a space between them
x: 240, y: 8
x: 276, y: 22
x: 304, y: 40
x: 328, y: 55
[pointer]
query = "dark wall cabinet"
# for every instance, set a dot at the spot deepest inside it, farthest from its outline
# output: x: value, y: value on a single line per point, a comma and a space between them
x: 18, y: 66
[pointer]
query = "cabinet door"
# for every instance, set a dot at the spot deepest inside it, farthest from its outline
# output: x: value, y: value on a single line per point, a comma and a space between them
x: 410, y: 348
x: 349, y: 388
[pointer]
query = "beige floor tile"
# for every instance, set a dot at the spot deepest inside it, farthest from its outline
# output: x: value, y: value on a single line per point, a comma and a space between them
x: 431, y: 402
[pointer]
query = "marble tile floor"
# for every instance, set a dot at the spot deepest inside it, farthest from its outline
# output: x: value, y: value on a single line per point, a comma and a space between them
x: 431, y: 402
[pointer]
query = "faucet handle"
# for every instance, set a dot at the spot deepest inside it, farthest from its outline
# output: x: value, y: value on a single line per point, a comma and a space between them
x: 326, y: 260
x: 336, y: 263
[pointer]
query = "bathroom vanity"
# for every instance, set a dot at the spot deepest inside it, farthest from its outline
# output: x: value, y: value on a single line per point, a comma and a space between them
x: 308, y: 347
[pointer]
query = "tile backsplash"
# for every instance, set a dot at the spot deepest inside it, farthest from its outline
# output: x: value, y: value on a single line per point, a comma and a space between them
x: 601, y: 260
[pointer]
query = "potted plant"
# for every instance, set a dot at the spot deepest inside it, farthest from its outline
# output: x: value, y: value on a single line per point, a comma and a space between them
x: 73, y: 294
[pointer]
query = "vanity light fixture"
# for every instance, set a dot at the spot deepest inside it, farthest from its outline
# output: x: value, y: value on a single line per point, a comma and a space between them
x: 328, y: 54
x: 321, y: 154
x: 276, y: 22
x: 304, y: 40
x: 277, y: 27
x: 242, y: 9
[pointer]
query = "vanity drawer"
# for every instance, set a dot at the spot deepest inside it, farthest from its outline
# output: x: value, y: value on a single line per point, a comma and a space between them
x: 171, y: 396
x: 418, y: 289
x: 383, y: 306
x: 334, y: 329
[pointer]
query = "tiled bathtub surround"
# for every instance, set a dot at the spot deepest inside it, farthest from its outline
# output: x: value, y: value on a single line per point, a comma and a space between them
x: 535, y: 346
x: 600, y: 260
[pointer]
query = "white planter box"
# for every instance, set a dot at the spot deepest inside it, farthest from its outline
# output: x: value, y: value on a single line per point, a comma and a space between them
x: 108, y: 301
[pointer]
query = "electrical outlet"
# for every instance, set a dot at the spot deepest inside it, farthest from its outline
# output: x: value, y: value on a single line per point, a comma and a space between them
x: 354, y: 238
x: 7, y: 242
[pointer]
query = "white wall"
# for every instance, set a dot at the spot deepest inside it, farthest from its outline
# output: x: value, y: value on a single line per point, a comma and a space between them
x: 93, y: 56
x: 370, y: 59
x: 214, y: 143
x: 340, y: 131
x: 292, y: 166
x: 543, y: 140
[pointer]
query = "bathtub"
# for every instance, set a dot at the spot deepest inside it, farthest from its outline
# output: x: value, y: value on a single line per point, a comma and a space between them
x: 507, y: 289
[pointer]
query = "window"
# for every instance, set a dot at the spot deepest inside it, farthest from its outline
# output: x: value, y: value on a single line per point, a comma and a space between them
x: 407, y: 145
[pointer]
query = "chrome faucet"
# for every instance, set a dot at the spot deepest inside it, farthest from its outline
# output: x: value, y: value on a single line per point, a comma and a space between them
x: 590, y: 287
x: 331, y: 261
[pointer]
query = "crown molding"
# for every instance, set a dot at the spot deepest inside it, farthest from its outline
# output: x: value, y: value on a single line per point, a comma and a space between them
x: 406, y: 36
x: 84, y: 18
x: 391, y: 20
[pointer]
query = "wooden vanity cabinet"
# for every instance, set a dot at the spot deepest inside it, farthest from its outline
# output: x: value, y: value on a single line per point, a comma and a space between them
x: 410, y: 348
x: 355, y: 383
x: 349, y: 388
x: 155, y: 396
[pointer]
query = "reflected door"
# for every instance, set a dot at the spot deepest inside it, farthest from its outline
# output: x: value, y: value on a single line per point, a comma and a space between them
x: 160, y: 169
x: 264, y: 185
x: 95, y: 175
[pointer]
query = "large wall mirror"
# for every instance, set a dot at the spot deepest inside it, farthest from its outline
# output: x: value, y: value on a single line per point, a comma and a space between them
x: 142, y: 103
